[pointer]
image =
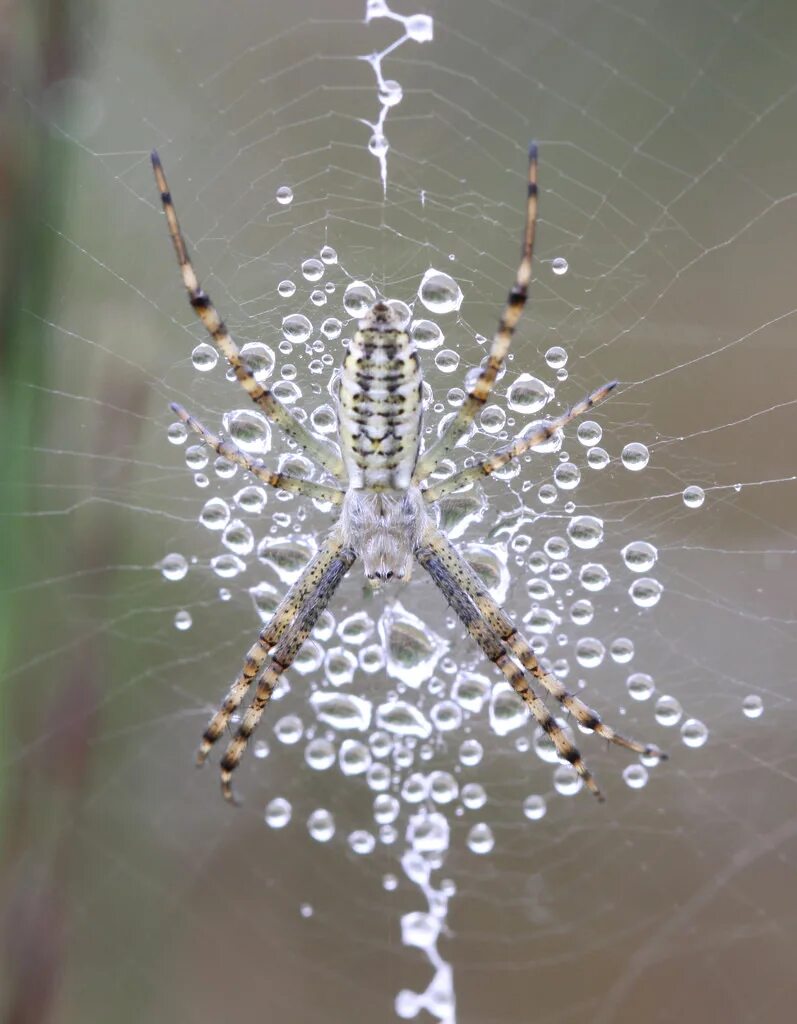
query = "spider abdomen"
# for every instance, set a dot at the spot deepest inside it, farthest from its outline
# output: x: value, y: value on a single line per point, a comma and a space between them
x: 379, y: 404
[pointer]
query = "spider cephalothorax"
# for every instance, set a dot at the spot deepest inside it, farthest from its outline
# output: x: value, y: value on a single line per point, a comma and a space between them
x: 382, y: 486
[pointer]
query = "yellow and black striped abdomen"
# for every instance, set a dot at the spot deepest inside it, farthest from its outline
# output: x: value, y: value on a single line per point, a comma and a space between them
x: 379, y: 404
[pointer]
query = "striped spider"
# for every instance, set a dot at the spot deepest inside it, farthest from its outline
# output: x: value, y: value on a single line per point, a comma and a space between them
x: 383, y: 492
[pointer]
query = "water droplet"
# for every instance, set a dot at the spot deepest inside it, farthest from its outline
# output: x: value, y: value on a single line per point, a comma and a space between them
x: 174, y: 566
x: 646, y: 592
x: 473, y: 796
x: 635, y: 776
x: 639, y: 556
x: 534, y: 807
x: 354, y: 757
x: 594, y: 576
x: 183, y: 620
x: 470, y: 752
x: 694, y: 733
x: 238, y: 538
x: 439, y: 292
x: 402, y: 719
x: 556, y: 357
x: 319, y: 754
x: 419, y: 28
x: 284, y: 195
x: 507, y: 710
x: 296, y: 328
x: 446, y: 716
x: 480, y: 839
x: 386, y: 809
x: 312, y: 270
x: 328, y: 255
x: 321, y: 825
x: 278, y: 812
x: 426, y: 334
x: 753, y: 706
x: 288, y: 729
x: 566, y: 780
x: 567, y: 476
x: 582, y: 612
x: 544, y: 746
x: 286, y: 289
x: 204, y: 357
x: 560, y: 265
x: 390, y: 93
x: 589, y: 433
x: 585, y: 531
x: 428, y: 832
x: 261, y: 750
x: 668, y: 711
x: 492, y: 419
x: 251, y: 499
x: 447, y: 360
x: 249, y: 429
x: 635, y: 456
x: 622, y: 650
x: 590, y: 652
x: 597, y: 458
x: 412, y: 649
x: 640, y: 686
x: 177, y: 432
x: 528, y: 394
x: 342, y: 710
x: 259, y: 358
x: 378, y: 144
x: 694, y: 496
x: 470, y: 691
x: 331, y: 328
x: 358, y: 298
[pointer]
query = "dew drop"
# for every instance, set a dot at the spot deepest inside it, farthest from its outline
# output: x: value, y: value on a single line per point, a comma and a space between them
x: 589, y: 433
x: 639, y: 556
x: 586, y: 532
x: 566, y: 780
x: 439, y: 292
x: 597, y: 458
x: 567, y: 476
x: 534, y: 807
x: 259, y: 358
x: 480, y: 839
x: 640, y: 686
x: 177, y: 432
x: 321, y: 825
x: 473, y: 796
x: 426, y: 334
x: 693, y: 496
x: 312, y: 270
x: 296, y: 328
x: 319, y: 754
x: 668, y: 711
x: 286, y: 289
x: 635, y: 776
x: 752, y: 706
x: 594, y: 577
x: 528, y: 394
x: 694, y: 733
x: 559, y: 265
x: 284, y: 195
x: 249, y: 429
x: 278, y: 812
x: 183, y: 620
x: 174, y: 566
x: 447, y: 360
x: 204, y: 357
x: 635, y: 456
x: 646, y: 592
x: 358, y: 298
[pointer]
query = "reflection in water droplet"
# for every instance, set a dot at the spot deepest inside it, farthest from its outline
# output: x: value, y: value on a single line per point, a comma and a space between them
x: 204, y: 357
x: 645, y: 592
x: 640, y: 686
x: 480, y: 838
x: 586, y: 532
x: 439, y: 292
x: 358, y: 298
x: 528, y: 394
x: 174, y: 566
x: 635, y: 456
x: 278, y: 812
x: 694, y: 496
x: 639, y: 556
x: 341, y: 710
x: 534, y: 807
x: 694, y: 733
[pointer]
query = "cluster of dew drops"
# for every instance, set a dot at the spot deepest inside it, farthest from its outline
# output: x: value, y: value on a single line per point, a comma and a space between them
x: 387, y: 742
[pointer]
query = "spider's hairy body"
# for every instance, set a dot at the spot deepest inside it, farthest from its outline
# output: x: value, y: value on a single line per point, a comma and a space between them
x: 383, y: 501
x: 379, y: 404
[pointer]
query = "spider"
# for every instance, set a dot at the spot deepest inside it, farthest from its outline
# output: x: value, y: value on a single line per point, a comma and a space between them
x: 383, y: 494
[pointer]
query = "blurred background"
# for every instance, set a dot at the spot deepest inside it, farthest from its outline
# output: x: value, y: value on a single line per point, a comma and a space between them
x: 668, y: 213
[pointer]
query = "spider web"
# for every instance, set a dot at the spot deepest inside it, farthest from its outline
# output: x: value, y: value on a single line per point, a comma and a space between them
x: 407, y: 844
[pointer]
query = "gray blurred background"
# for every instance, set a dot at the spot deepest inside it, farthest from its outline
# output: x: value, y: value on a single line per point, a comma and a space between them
x: 668, y: 158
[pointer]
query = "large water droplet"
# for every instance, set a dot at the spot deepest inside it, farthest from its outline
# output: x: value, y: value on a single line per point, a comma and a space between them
x: 342, y: 710
x: 402, y: 719
x: 528, y: 394
x: 413, y: 650
x: 439, y: 292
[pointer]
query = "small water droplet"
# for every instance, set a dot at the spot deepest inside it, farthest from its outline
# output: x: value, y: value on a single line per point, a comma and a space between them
x: 480, y: 839
x: 693, y: 496
x: 635, y: 456
x: 753, y: 706
x: 559, y: 265
x: 278, y: 812
x: 284, y: 195
x: 439, y: 292
x: 534, y: 807
x: 174, y: 566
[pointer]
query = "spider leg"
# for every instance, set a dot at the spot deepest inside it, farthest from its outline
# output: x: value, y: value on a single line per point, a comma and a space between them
x: 287, y: 648
x: 200, y: 301
x: 279, y: 624
x: 516, y: 448
x: 282, y: 481
x: 459, y: 576
x: 480, y: 390
x: 490, y: 643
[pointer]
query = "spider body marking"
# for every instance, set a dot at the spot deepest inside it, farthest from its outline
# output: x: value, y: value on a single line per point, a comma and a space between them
x: 381, y: 486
